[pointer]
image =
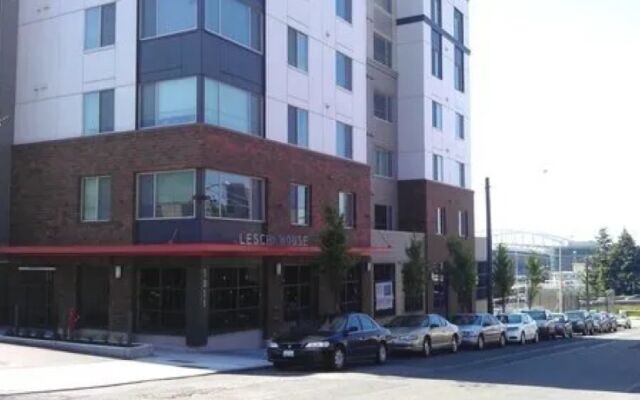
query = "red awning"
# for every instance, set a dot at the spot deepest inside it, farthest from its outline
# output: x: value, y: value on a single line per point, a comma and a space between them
x: 176, y: 250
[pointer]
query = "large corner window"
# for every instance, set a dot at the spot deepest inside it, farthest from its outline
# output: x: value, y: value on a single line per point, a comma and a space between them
x: 96, y: 199
x: 233, y: 196
x: 234, y: 296
x: 235, y: 20
x: 344, y: 140
x: 166, y: 195
x: 233, y: 108
x: 347, y: 209
x: 164, y: 17
x: 100, y: 26
x: 98, y: 112
x: 300, y: 205
x: 171, y: 102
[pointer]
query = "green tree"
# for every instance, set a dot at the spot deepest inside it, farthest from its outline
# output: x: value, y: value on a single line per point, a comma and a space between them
x: 414, y: 273
x: 622, y: 274
x: 334, y: 259
x: 504, y: 275
x: 599, y: 274
x: 462, y: 272
x: 535, y: 278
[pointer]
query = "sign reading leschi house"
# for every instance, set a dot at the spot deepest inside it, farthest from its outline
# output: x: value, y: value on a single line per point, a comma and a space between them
x: 264, y: 239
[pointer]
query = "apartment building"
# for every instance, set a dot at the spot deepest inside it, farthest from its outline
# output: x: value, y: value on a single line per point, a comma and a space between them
x: 172, y: 160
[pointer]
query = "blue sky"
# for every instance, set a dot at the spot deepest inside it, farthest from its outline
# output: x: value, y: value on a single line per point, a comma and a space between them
x: 555, y: 88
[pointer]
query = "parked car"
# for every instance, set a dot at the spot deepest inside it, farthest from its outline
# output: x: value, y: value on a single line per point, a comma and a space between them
x: 546, y: 326
x: 333, y: 343
x: 613, y: 322
x: 605, y: 323
x: 564, y: 327
x: 598, y: 323
x: 479, y: 330
x: 581, y: 321
x: 423, y: 333
x: 623, y: 321
x: 521, y: 328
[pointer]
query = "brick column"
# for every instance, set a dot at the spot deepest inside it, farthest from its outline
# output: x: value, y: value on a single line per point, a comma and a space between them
x: 197, y: 310
x: 121, y: 299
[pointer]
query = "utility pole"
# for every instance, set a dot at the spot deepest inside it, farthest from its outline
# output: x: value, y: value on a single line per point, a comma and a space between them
x: 586, y: 272
x: 560, y: 294
x: 487, y: 185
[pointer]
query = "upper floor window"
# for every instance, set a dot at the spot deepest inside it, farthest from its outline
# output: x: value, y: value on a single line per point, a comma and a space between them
x: 382, y: 106
x: 436, y: 115
x: 347, y: 208
x: 300, y: 205
x: 463, y: 224
x: 233, y: 108
x: 233, y: 196
x: 98, y: 112
x: 171, y: 102
x: 382, y: 50
x: 436, y: 54
x: 96, y: 199
x: 459, y: 69
x: 298, y: 126
x: 385, y: 5
x: 383, y: 217
x: 298, y: 48
x: 441, y: 221
x: 436, y: 12
x: 344, y: 140
x: 458, y: 25
x: 235, y: 20
x: 438, y: 168
x: 167, y: 194
x: 344, y: 71
x: 462, y: 174
x: 460, y: 126
x: 100, y: 26
x: 344, y: 9
x: 384, y: 163
x: 164, y: 17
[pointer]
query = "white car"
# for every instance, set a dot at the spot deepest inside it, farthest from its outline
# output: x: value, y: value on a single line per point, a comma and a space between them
x: 521, y: 328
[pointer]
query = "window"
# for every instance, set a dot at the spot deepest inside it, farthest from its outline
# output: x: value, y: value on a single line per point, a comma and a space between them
x: 385, y: 5
x: 235, y: 20
x: 164, y: 17
x: 384, y: 163
x: 96, y: 199
x: 344, y: 140
x: 298, y: 127
x: 300, y: 205
x: 438, y: 168
x: 161, y: 302
x: 166, y: 194
x: 347, y: 208
x: 459, y: 70
x: 458, y: 25
x: 298, y: 44
x: 170, y: 102
x: 98, y: 110
x: 100, y: 26
x: 436, y: 54
x: 463, y: 224
x: 234, y: 298
x: 233, y: 196
x: 441, y: 221
x: 382, y: 50
x: 344, y: 71
x: 383, y: 217
x: 344, y: 9
x: 382, y: 106
x: 460, y: 126
x: 351, y: 296
x: 232, y: 108
x: 297, y: 292
x: 436, y: 12
x: 436, y: 115
x: 462, y: 175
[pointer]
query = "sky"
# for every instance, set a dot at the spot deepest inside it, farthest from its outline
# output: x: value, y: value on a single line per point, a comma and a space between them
x: 555, y: 112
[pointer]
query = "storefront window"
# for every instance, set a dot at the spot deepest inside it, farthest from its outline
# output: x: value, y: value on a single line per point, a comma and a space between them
x: 297, y: 293
x: 351, y: 296
x: 439, y: 290
x: 161, y: 301
x: 384, y: 276
x: 234, y: 298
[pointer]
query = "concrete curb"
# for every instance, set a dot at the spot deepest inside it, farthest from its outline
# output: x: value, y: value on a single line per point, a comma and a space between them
x: 138, y: 350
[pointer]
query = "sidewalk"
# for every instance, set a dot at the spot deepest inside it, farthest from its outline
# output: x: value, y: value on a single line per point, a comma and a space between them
x: 32, y: 370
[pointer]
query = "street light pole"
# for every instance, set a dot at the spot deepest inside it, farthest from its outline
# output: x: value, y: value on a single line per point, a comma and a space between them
x: 561, y: 308
x: 487, y: 186
x: 586, y: 271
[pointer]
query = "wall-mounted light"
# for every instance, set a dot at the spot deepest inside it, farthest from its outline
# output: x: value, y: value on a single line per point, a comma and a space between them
x: 279, y: 269
x: 369, y: 266
x: 118, y: 271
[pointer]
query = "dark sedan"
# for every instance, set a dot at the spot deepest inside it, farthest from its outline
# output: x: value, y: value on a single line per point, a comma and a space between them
x: 564, y: 327
x: 333, y: 343
x: 546, y: 326
x: 581, y: 322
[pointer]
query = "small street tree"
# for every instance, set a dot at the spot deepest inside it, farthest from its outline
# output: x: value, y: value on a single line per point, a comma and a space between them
x: 504, y: 275
x: 462, y: 272
x: 623, y: 269
x: 599, y: 274
x: 334, y: 260
x: 535, y: 278
x: 414, y: 275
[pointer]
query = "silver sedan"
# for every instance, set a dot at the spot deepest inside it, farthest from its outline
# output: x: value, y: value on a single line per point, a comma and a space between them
x: 423, y: 333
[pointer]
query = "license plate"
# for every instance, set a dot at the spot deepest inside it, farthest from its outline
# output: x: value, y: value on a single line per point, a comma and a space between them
x: 288, y: 353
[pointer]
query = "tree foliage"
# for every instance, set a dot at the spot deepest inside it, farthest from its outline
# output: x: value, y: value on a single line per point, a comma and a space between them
x: 415, y: 271
x: 504, y: 275
x: 599, y: 274
x: 535, y: 278
x: 462, y: 271
x: 623, y: 272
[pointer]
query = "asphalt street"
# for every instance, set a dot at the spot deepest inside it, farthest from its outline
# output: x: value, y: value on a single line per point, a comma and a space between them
x: 602, y: 367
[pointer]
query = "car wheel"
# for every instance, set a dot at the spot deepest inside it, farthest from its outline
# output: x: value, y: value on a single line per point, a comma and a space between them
x: 503, y: 340
x: 338, y: 359
x: 381, y: 357
x: 454, y: 345
x: 523, y: 339
x: 480, y: 344
x: 426, y: 347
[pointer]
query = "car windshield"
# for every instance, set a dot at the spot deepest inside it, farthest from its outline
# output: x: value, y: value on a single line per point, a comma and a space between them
x: 575, y: 316
x: 510, y: 319
x: 333, y: 324
x: 467, y: 320
x: 537, y: 315
x: 408, y: 321
x: 557, y: 316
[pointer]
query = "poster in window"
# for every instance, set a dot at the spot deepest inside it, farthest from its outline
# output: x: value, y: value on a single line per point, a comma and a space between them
x: 384, y: 295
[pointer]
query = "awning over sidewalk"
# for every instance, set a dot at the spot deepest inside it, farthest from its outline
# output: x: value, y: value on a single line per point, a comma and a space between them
x: 176, y: 250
